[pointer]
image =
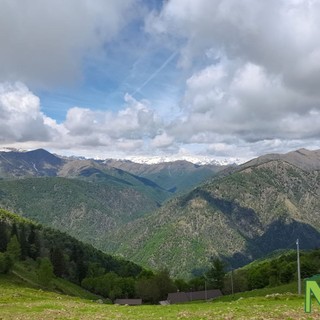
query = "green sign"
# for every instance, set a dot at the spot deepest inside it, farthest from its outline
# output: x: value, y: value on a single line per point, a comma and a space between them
x: 312, y: 288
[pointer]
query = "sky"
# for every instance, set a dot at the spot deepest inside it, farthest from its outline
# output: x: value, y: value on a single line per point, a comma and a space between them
x: 222, y: 79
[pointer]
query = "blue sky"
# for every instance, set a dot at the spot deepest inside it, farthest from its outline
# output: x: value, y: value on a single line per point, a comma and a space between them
x: 220, y: 79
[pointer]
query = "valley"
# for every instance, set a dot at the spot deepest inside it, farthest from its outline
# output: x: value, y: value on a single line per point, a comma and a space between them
x: 33, y: 304
x: 161, y: 216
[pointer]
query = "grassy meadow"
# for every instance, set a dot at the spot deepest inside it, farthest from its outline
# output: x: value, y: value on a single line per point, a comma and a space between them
x: 20, y: 301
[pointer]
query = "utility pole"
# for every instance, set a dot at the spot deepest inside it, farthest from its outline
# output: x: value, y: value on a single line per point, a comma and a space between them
x: 298, y: 268
x: 205, y: 289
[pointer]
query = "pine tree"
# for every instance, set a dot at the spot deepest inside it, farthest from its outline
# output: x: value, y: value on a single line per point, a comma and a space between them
x: 45, y: 272
x: 14, y: 249
x: 216, y: 274
x: 34, y: 243
x: 58, y: 262
x: 5, y: 262
x: 14, y: 230
x: 3, y: 236
x: 23, y: 242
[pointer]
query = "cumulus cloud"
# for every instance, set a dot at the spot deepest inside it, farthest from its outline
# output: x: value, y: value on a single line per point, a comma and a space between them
x: 255, y: 70
x: 249, y: 75
x: 135, y: 121
x: 162, y: 140
x: 20, y: 116
x: 21, y: 120
x: 44, y: 42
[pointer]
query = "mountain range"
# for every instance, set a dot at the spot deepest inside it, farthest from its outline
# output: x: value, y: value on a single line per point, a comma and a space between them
x: 87, y: 198
x: 176, y: 215
x: 241, y: 215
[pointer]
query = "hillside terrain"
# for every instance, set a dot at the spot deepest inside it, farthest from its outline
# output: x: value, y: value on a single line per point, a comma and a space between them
x: 240, y: 214
x: 89, y: 199
x: 175, y: 176
x: 161, y: 180
x: 88, y: 211
x: 36, y: 241
x: 261, y: 206
x: 19, y: 301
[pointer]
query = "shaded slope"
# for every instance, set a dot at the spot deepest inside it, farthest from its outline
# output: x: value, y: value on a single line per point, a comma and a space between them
x: 83, y: 209
x: 177, y: 176
x: 32, y: 163
x: 240, y: 217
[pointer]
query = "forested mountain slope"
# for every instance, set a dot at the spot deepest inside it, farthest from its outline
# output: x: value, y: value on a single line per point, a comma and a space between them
x: 88, y: 211
x: 240, y: 216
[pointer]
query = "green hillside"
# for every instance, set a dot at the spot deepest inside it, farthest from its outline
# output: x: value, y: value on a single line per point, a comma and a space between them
x: 238, y: 217
x: 19, y: 301
x: 84, y: 209
x: 50, y: 259
x: 29, y: 293
x: 177, y: 176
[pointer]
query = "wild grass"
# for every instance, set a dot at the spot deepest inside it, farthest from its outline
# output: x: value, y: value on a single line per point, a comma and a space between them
x: 19, y: 301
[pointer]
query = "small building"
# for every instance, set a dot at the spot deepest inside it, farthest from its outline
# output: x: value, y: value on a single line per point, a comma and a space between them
x: 129, y: 302
x: 181, y: 297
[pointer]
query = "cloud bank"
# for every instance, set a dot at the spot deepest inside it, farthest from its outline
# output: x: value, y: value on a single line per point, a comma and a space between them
x: 259, y: 78
x: 251, y: 76
x: 45, y: 43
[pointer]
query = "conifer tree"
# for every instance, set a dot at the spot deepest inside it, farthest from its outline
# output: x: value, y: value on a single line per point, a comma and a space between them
x: 45, y: 272
x: 23, y: 242
x: 5, y: 262
x: 58, y: 262
x: 14, y: 249
x: 34, y: 243
x: 216, y: 274
x: 3, y: 236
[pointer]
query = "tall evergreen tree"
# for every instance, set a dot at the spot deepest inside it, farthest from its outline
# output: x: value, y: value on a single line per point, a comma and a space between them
x: 216, y: 274
x: 23, y: 242
x: 14, y: 249
x: 77, y: 256
x: 5, y: 262
x: 14, y: 230
x: 3, y: 236
x: 58, y: 262
x: 45, y: 272
x: 34, y: 243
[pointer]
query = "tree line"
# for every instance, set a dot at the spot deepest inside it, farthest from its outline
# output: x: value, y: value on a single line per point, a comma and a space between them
x: 59, y: 255
x: 271, y: 272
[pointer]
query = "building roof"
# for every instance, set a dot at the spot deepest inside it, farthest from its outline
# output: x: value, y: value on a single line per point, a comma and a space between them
x: 180, y: 297
x: 130, y: 302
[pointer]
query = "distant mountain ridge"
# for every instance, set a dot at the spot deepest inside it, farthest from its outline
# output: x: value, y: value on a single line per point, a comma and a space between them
x: 247, y: 212
x: 89, y: 199
x: 38, y: 162
x: 173, y: 215
x: 302, y: 158
x: 179, y: 175
x: 169, y: 177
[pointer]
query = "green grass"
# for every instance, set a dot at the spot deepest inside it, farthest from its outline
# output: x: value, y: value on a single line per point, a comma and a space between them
x: 26, y: 273
x: 19, y: 301
x: 286, y: 289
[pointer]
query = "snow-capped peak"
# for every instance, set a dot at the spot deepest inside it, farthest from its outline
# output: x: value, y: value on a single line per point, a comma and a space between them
x: 200, y: 160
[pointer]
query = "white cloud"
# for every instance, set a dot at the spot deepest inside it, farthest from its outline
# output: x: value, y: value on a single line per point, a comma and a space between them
x: 135, y: 121
x: 162, y: 140
x: 22, y: 121
x: 250, y: 71
x: 44, y: 42
x: 20, y: 116
x: 254, y: 71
